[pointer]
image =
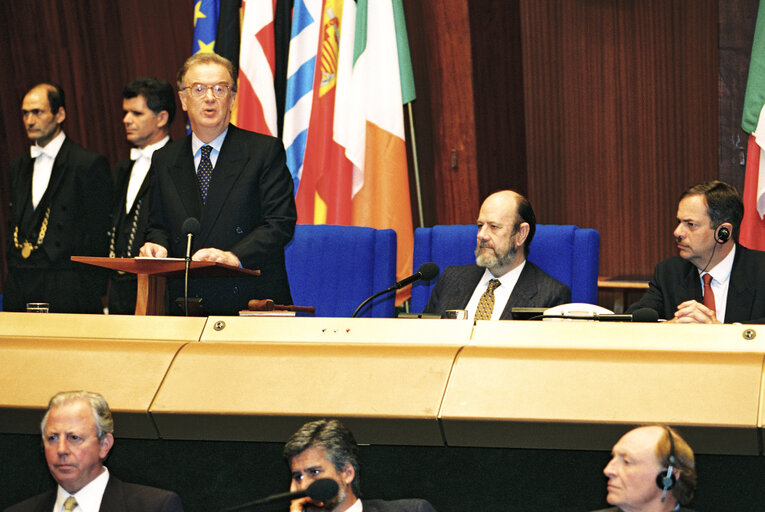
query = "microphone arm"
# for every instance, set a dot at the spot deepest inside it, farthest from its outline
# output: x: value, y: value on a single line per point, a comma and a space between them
x: 427, y: 271
x: 189, y: 236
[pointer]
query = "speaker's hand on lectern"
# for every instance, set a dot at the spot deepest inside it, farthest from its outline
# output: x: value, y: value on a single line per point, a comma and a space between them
x: 216, y: 255
x: 152, y: 250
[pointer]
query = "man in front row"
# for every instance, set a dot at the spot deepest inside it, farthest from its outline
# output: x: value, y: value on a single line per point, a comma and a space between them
x: 235, y: 183
x: 78, y: 432
x: 713, y: 279
x: 502, y: 277
x: 652, y: 469
x: 326, y: 449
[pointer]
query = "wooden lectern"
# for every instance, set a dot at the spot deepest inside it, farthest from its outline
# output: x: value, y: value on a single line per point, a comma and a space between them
x: 152, y: 276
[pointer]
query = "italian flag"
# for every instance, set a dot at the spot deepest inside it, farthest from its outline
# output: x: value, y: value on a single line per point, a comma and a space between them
x: 753, y: 122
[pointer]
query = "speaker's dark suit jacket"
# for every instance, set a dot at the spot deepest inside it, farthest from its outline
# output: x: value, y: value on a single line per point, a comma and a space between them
x: 534, y: 289
x: 122, y: 292
x: 79, y: 195
x: 397, y: 506
x: 250, y: 211
x: 118, y: 497
x: 676, y: 280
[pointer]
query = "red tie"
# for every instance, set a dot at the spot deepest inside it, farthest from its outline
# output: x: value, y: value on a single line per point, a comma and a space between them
x: 709, y: 296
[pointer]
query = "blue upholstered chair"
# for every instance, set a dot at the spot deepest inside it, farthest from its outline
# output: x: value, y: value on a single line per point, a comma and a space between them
x: 568, y: 253
x: 335, y: 268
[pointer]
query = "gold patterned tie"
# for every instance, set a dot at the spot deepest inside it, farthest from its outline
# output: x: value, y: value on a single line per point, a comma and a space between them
x: 486, y: 304
x: 70, y: 504
x: 204, y: 172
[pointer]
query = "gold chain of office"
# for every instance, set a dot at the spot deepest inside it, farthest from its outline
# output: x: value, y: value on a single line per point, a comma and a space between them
x: 27, y: 247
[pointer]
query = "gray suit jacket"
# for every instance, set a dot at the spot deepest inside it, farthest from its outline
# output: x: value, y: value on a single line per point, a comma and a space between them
x: 414, y: 505
x: 534, y: 288
x: 118, y: 497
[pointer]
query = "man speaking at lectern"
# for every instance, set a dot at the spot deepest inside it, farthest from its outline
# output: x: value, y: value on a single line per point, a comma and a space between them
x: 234, y: 182
x: 713, y: 279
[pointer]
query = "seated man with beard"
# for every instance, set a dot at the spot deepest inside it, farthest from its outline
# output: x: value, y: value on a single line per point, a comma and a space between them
x: 326, y: 449
x: 502, y: 278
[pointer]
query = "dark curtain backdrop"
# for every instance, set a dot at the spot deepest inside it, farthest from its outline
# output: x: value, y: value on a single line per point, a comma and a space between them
x: 92, y: 48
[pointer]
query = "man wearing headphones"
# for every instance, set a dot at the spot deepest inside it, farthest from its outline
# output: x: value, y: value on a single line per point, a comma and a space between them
x: 713, y: 279
x: 652, y: 469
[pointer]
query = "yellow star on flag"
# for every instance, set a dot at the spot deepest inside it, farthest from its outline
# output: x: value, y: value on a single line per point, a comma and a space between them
x: 198, y: 14
x: 206, y: 47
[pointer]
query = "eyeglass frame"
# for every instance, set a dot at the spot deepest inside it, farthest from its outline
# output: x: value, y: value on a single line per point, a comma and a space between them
x: 203, y: 93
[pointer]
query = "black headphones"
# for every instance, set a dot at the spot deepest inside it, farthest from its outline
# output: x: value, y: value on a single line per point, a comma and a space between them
x: 667, y: 479
x: 721, y: 236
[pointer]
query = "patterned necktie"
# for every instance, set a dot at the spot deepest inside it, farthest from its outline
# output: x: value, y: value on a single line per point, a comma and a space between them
x: 70, y: 504
x: 486, y: 304
x: 709, y: 296
x: 204, y: 172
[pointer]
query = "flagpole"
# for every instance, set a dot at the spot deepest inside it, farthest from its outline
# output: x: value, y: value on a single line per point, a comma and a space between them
x: 412, y: 138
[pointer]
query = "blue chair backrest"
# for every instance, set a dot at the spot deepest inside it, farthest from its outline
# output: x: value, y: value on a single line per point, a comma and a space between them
x: 334, y: 268
x: 568, y: 253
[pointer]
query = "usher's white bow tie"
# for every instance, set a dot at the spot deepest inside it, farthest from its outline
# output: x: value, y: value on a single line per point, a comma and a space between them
x: 36, y: 151
x: 137, y: 153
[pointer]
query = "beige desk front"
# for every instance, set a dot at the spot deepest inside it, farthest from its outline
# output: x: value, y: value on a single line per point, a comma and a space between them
x: 260, y: 378
x: 124, y: 358
x: 579, y: 384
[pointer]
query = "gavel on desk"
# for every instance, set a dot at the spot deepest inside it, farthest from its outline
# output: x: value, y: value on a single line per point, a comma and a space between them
x: 268, y: 305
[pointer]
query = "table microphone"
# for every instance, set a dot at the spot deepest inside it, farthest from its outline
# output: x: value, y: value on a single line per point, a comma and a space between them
x: 190, y: 228
x: 323, y: 489
x: 427, y: 271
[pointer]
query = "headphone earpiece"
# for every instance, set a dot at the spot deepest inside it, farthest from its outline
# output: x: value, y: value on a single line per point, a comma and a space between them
x: 722, y: 235
x: 667, y: 479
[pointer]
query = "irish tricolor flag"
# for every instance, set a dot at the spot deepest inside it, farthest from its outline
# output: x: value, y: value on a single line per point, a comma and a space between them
x: 355, y: 168
x: 753, y: 122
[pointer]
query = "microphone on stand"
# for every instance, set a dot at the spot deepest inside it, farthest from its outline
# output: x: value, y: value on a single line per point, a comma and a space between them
x: 427, y: 271
x: 190, y: 228
x: 323, y: 489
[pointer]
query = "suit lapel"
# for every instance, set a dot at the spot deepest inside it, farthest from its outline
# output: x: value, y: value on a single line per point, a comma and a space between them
x: 691, y: 285
x: 230, y: 164
x: 740, y: 294
x: 57, y: 176
x: 113, y: 499
x: 523, y: 291
x: 185, y: 180
x: 23, y: 192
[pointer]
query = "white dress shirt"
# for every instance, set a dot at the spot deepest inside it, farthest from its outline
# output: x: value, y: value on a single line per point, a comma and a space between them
x: 43, y: 166
x: 501, y: 293
x: 88, y: 498
x: 196, y: 148
x: 141, y: 164
x: 720, y: 282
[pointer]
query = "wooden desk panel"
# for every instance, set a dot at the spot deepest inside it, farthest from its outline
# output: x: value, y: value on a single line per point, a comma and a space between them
x: 572, y: 384
x: 387, y: 394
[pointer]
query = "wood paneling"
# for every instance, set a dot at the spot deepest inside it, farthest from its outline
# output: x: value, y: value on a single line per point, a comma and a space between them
x: 92, y: 49
x: 440, y: 42
x: 500, y: 128
x: 602, y: 111
x: 621, y: 116
x: 737, y: 21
